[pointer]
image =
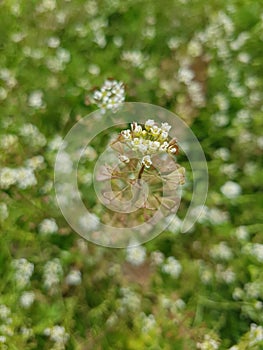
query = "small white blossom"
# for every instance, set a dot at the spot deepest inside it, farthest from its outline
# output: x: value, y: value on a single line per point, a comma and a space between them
x: 35, y: 99
x: 52, y: 273
x: 148, y: 323
x: 209, y: 343
x: 64, y: 163
x: 48, y: 226
x: 110, y: 96
x: 63, y: 55
x: 149, y: 124
x: 172, y: 267
x: 25, y: 178
x: 8, y: 141
x: 217, y: 216
x: 53, y: 42
x: 135, y: 58
x: 32, y: 135
x: 157, y: 257
x: 221, y: 251
x: 58, y: 335
x: 136, y: 255
x: 23, y: 271
x: 27, y: 299
x: 74, y: 278
x: 4, y: 312
x: 256, y: 334
x: 8, y: 177
x: 124, y: 159
x: 89, y: 222
x: 146, y: 160
x: 231, y: 189
x: 129, y: 301
x: 94, y: 69
x: 126, y: 134
x: 242, y: 233
x: 2, y: 339
x: 35, y: 163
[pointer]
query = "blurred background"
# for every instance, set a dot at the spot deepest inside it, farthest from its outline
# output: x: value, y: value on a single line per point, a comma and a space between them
x: 200, y: 290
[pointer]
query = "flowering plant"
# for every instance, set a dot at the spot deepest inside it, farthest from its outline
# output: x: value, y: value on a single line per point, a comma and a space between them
x: 147, y: 175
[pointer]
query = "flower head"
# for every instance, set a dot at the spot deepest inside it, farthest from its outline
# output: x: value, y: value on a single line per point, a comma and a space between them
x: 110, y: 96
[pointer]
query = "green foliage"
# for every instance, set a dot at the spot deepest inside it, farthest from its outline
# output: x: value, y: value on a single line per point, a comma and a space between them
x: 52, y: 56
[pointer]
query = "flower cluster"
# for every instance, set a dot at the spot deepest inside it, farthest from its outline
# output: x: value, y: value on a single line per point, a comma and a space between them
x: 58, y: 335
x: 48, y: 226
x: 23, y: 271
x: 23, y: 177
x: 148, y: 140
x: 110, y: 96
x: 52, y: 273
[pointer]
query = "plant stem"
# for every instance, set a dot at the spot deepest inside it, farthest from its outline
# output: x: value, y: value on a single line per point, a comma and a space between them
x: 140, y: 172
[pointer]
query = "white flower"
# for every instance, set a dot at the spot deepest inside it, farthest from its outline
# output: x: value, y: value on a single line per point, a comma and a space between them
x: 164, y: 146
x: 64, y: 163
x: 25, y: 178
x: 23, y: 271
x: 155, y: 130
x: 63, y: 55
x: 53, y: 42
x: 256, y: 334
x: 4, y: 312
x: 157, y: 257
x: 73, y: 278
x: 175, y: 223
x: 153, y: 146
x: 35, y: 99
x: 231, y: 189
x: 221, y: 251
x: 208, y: 344
x: 8, y: 141
x: 2, y: 339
x: 58, y: 335
x: 136, y: 129
x: 110, y: 96
x: 185, y: 75
x: 242, y: 233
x: 136, y: 255
x: 89, y: 222
x: 172, y: 267
x: 52, y: 273
x: 27, y: 299
x: 124, y: 159
x: 32, y: 135
x: 135, y: 58
x: 126, y: 134
x: 217, y: 217
x: 165, y: 127
x: 164, y: 135
x: 146, y: 160
x: 222, y: 153
x: 55, y: 143
x: 94, y: 69
x: 149, y: 123
x: 48, y: 226
x: 148, y: 322
x: 36, y: 162
x: 130, y: 300
x: 8, y: 177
